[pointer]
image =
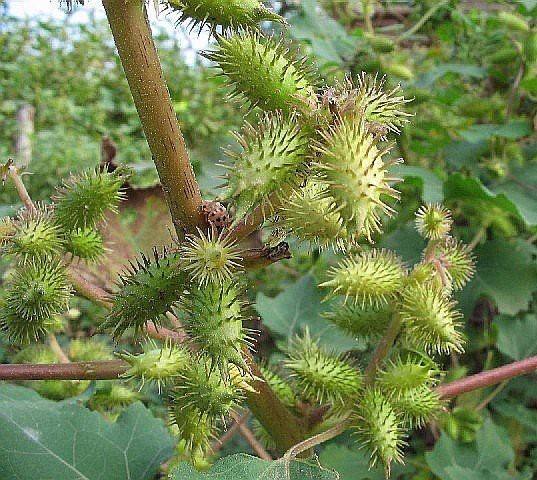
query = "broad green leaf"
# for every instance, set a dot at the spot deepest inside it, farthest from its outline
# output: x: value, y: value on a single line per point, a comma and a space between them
x: 351, y: 465
x: 522, y: 415
x: 406, y: 242
x: 45, y: 440
x: 471, y: 191
x: 297, y: 307
x: 329, y: 41
x: 488, y: 457
x: 430, y: 184
x: 464, y: 70
x: 513, y: 130
x: 246, y: 467
x: 506, y: 273
x: 520, y: 189
x: 517, y: 337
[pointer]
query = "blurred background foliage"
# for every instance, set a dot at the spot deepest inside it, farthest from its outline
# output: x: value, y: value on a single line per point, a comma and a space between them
x: 471, y: 69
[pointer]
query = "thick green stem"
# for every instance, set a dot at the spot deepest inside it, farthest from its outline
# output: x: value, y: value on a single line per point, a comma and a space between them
x: 382, y: 349
x: 138, y: 54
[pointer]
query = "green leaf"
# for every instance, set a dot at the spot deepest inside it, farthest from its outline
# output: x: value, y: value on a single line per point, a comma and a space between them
x: 245, y: 467
x: 520, y: 189
x: 471, y: 190
x: 464, y: 70
x: 297, y: 307
x: 513, y: 130
x: 406, y: 242
x: 351, y: 465
x: 505, y: 272
x: 487, y: 458
x: 42, y: 440
x: 517, y: 337
x: 430, y: 184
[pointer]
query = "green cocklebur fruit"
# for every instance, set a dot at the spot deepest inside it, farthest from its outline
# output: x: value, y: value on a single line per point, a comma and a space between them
x: 418, y: 405
x: 280, y: 387
x: 403, y: 375
x: 147, y: 290
x: 210, y: 258
x: 264, y: 72
x: 352, y: 164
x: 32, y: 236
x: 458, y: 261
x: 311, y: 214
x: 369, y: 323
x: 194, y: 428
x: 272, y: 153
x: 378, y: 428
x: 227, y: 14
x: 85, y: 243
x: 214, y: 320
x: 320, y: 376
x: 433, y: 221
x: 161, y: 365
x: 430, y: 321
x: 34, y: 294
x: 82, y: 200
x: 368, y: 98
x: 369, y: 279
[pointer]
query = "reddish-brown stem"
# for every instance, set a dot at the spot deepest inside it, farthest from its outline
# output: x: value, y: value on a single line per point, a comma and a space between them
x: 488, y: 378
x: 248, y: 435
x: 138, y: 54
x: 105, y: 370
x: 230, y: 433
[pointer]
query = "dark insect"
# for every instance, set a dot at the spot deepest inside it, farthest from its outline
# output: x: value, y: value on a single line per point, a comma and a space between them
x: 215, y: 214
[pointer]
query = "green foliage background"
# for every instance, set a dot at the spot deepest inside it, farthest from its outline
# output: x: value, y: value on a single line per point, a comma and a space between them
x: 471, y: 145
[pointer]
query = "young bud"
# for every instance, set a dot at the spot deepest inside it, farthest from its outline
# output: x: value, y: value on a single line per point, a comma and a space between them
x: 227, y: 14
x: 88, y: 349
x: 146, y: 291
x: 110, y: 396
x: 322, y: 377
x: 272, y: 153
x: 210, y: 259
x: 433, y: 221
x: 35, y: 293
x: 53, y: 389
x: 370, y: 279
x: 378, y: 428
x: 83, y: 199
x: 194, y: 428
x: 160, y: 365
x: 85, y: 243
x: 357, y: 176
x: 32, y: 236
x: 214, y: 320
x: 430, y: 320
x: 369, y: 323
x: 264, y: 72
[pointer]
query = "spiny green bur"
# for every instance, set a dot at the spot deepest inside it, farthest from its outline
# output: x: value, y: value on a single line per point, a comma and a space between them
x: 227, y: 14
x: 83, y: 199
x: 264, y: 72
x: 146, y: 291
x: 272, y: 153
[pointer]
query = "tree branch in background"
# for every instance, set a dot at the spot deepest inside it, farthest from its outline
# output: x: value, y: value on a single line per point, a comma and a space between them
x: 138, y: 54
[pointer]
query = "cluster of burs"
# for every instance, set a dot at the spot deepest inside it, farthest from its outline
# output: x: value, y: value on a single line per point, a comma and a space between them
x: 317, y: 166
